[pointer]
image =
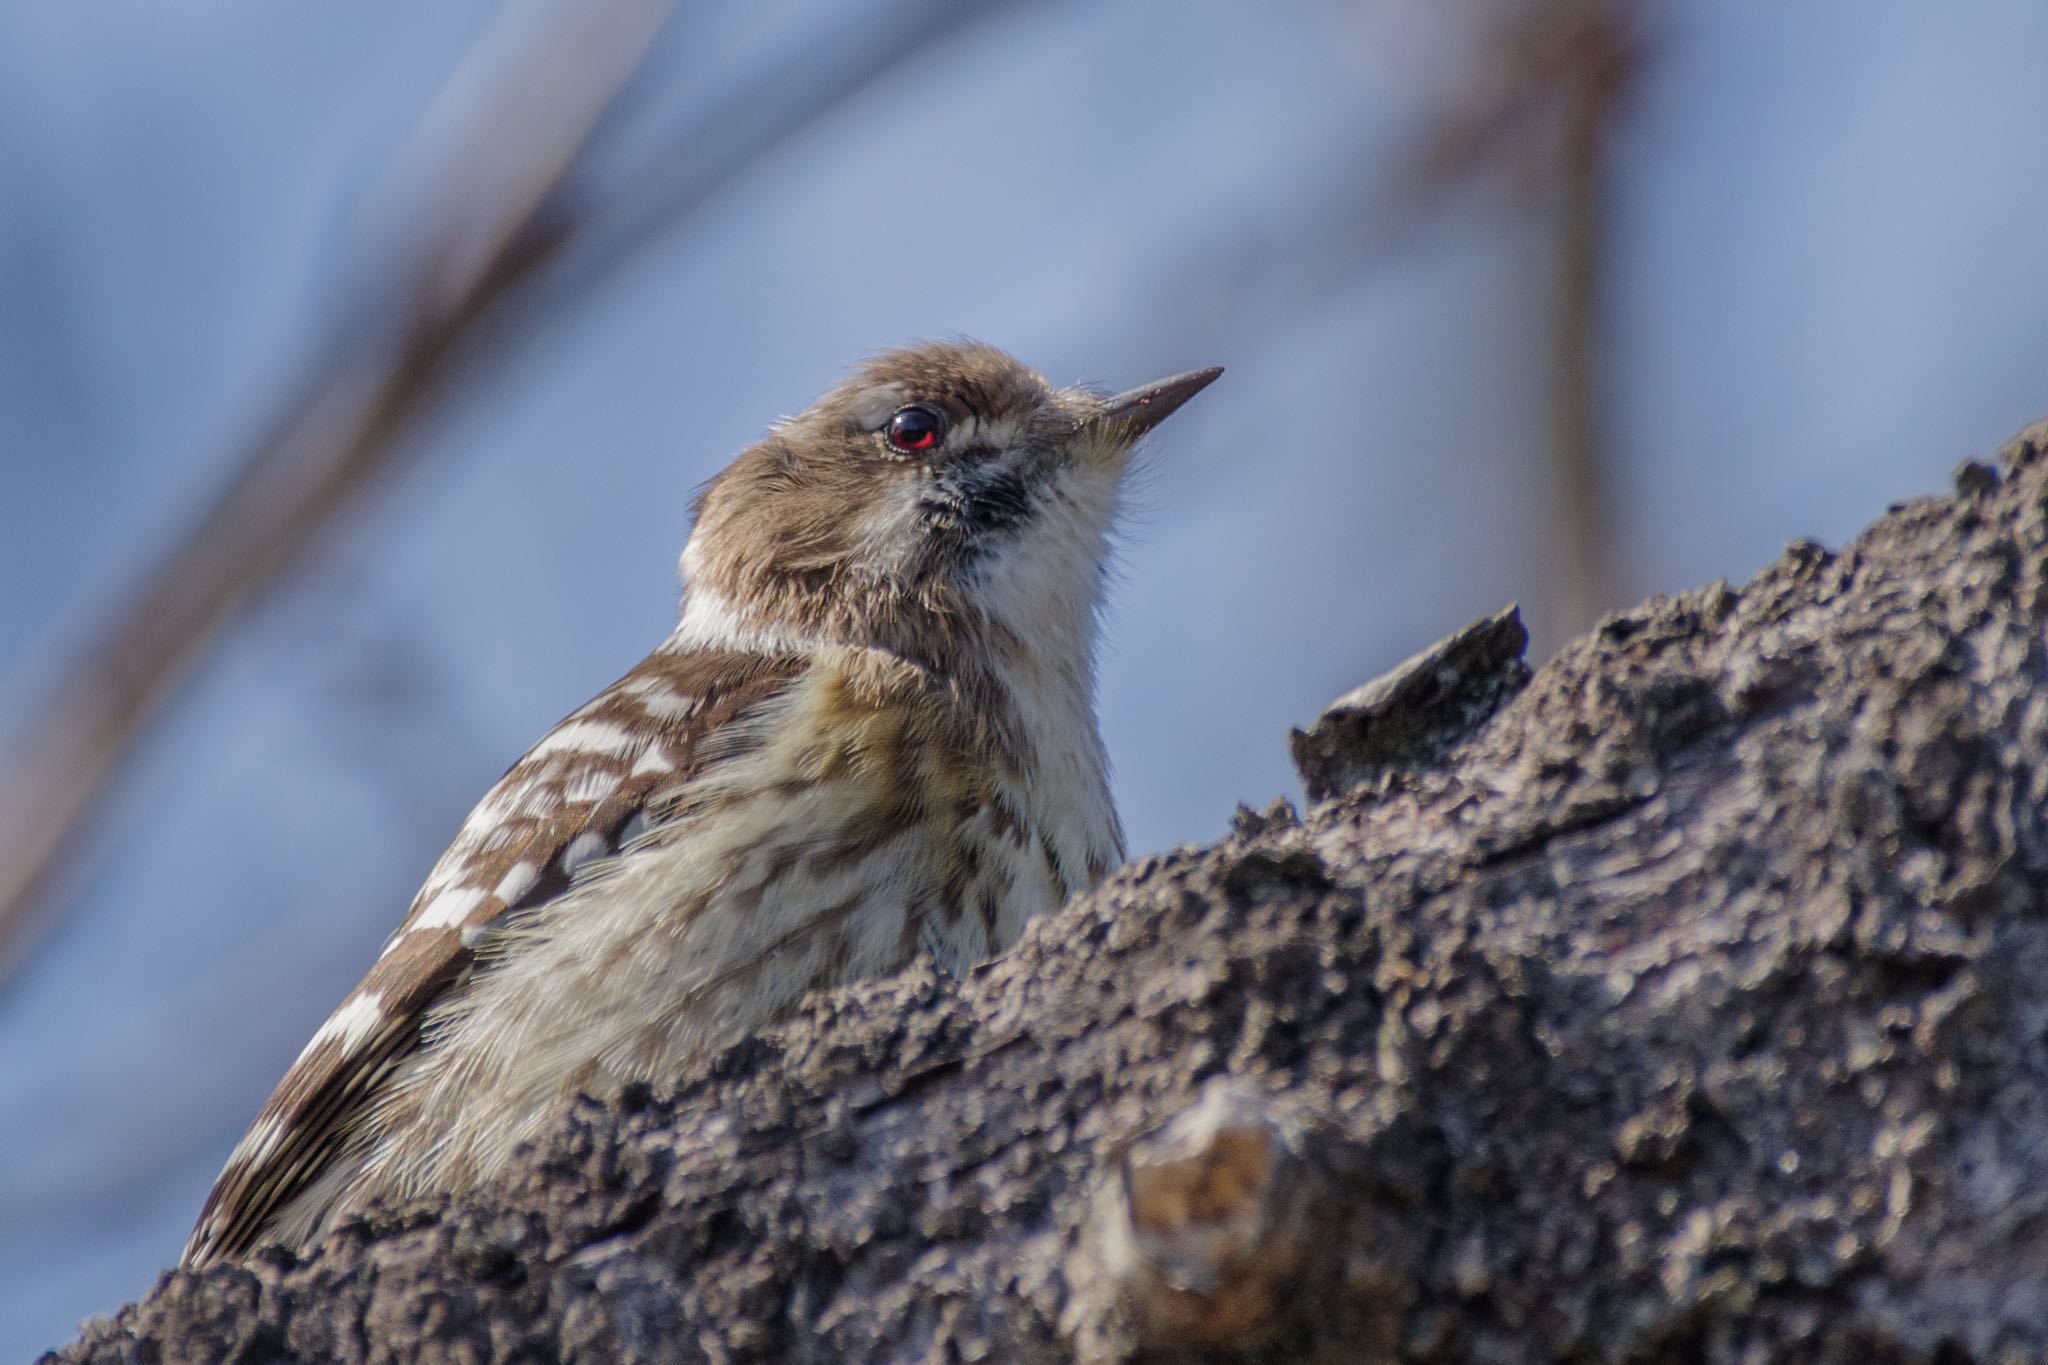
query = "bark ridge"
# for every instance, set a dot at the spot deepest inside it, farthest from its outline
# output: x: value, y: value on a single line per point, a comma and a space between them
x: 1684, y: 1001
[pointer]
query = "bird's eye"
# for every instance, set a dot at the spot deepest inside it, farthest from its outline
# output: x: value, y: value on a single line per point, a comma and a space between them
x: 914, y: 429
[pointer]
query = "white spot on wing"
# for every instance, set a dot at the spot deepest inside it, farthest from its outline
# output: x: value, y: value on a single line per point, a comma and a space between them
x: 259, y: 1142
x: 593, y: 786
x: 450, y: 908
x: 663, y: 702
x: 445, y: 872
x: 495, y: 808
x: 653, y: 761
x: 582, y: 849
x: 542, y: 800
x: 516, y: 883
x: 586, y: 737
x: 358, y: 1015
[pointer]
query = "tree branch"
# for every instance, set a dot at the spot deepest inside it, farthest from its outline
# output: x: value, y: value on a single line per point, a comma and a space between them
x: 1679, y: 1001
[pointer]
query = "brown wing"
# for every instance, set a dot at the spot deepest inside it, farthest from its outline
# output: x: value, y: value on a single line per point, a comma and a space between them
x: 575, y: 796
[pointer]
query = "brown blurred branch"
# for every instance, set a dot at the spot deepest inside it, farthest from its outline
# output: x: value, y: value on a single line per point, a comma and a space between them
x: 1591, y: 98
x: 1542, y: 111
x: 504, y: 164
x: 483, y: 233
x: 832, y: 66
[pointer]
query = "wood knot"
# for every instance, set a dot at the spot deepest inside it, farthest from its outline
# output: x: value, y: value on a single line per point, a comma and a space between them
x: 1202, y: 1222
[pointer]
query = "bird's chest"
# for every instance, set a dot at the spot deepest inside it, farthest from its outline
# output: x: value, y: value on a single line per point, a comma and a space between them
x: 877, y: 818
x: 1043, y: 830
x: 855, y: 825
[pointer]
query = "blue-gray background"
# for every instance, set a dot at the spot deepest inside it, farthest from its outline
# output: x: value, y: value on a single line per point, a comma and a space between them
x: 1828, y: 285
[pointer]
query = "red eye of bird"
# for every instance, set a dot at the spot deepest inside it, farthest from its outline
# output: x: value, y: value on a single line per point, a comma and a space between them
x: 915, y: 429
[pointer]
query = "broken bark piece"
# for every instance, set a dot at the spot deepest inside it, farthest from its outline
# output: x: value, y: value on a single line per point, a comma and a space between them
x: 1414, y: 714
x: 1203, y: 1222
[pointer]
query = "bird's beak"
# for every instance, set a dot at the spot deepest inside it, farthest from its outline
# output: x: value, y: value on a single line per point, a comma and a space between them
x: 1134, y: 412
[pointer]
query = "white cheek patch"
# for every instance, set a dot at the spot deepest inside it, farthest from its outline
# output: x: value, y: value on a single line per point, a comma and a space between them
x: 892, y: 522
x: 693, y: 557
x: 710, y: 621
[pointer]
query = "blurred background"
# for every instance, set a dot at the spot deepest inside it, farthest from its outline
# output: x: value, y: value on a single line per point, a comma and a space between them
x: 357, y: 363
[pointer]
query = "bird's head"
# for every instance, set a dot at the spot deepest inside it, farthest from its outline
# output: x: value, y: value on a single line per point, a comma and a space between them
x: 942, y: 495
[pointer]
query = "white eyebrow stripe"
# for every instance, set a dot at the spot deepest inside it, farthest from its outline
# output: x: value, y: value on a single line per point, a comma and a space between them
x: 878, y: 405
x: 999, y: 433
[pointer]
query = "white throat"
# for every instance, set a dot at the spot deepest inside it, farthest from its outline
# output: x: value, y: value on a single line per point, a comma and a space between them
x: 1044, y: 589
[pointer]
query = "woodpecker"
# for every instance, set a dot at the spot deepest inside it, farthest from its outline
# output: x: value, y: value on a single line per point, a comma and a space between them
x: 871, y: 735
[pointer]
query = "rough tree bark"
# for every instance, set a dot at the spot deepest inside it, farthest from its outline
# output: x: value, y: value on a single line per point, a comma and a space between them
x: 1688, y: 1000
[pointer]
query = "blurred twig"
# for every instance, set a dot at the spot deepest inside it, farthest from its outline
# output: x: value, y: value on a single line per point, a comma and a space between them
x: 481, y: 232
x: 1600, y: 34
x: 501, y: 172
x: 830, y: 65
x: 1542, y: 110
